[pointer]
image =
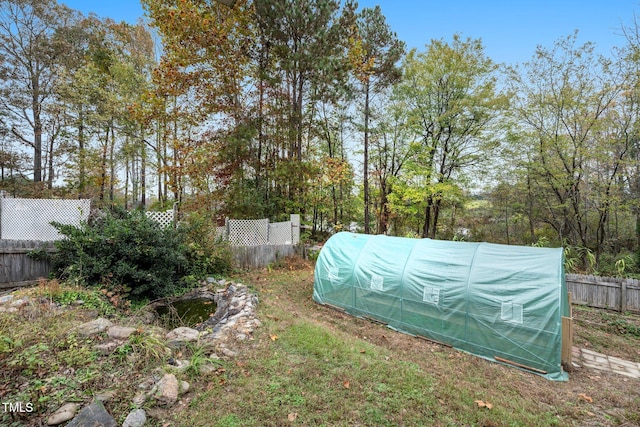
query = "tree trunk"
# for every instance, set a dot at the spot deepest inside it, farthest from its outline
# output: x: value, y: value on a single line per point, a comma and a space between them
x: 112, y: 163
x: 365, y: 166
x: 81, y: 154
x: 427, y: 218
x: 50, y: 163
x: 143, y: 169
x: 103, y: 165
x: 37, y: 131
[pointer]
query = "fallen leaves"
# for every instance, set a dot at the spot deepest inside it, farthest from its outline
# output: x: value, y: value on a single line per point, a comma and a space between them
x: 483, y: 404
x: 292, y: 416
x: 586, y: 398
x: 346, y: 384
x: 273, y: 337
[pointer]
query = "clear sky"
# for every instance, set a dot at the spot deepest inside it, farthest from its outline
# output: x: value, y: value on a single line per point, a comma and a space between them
x: 510, y: 29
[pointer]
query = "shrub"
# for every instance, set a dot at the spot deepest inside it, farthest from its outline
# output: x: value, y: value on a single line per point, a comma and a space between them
x: 122, y: 252
x: 207, y: 254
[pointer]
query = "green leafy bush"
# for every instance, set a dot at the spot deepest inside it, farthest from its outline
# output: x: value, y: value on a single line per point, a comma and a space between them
x: 122, y: 252
x: 207, y: 253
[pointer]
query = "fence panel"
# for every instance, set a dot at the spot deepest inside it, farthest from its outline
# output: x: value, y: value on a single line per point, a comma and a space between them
x: 256, y: 232
x: 280, y: 233
x: 605, y: 292
x: 248, y: 232
x: 30, y: 219
x: 19, y: 269
x: 260, y: 256
x: 165, y: 219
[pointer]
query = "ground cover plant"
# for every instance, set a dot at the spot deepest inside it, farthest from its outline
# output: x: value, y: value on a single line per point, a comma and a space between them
x: 309, y: 365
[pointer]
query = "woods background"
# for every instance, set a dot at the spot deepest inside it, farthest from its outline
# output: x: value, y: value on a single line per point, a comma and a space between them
x: 272, y: 107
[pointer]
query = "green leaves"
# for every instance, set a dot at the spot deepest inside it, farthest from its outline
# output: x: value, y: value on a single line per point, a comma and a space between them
x: 123, y: 250
x: 452, y: 104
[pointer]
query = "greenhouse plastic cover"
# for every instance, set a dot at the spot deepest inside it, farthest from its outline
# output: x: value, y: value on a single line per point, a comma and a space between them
x: 503, y: 303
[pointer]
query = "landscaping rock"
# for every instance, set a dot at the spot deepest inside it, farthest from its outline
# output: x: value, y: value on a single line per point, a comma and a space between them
x: 179, y: 365
x: 120, y: 332
x: 105, y: 396
x: 183, y: 334
x: 94, y: 327
x: 106, y: 348
x: 140, y: 398
x: 93, y: 415
x: 19, y: 302
x: 168, y: 387
x: 136, y: 418
x: 184, y: 387
x: 145, y: 317
x: 64, y: 413
x: 227, y: 352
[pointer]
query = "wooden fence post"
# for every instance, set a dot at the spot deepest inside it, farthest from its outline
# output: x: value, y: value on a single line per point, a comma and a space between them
x: 623, y: 295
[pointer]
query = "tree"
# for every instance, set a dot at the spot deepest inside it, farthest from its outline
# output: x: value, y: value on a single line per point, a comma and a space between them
x: 392, y: 148
x: 28, y: 54
x: 199, y: 82
x: 573, y: 137
x: 375, y: 51
x: 306, y: 41
x: 630, y: 56
x: 450, y: 93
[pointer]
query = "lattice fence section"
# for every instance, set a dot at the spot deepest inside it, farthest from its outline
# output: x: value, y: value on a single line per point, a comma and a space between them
x: 248, y: 232
x: 280, y: 233
x: 257, y: 232
x: 30, y: 219
x: 165, y: 219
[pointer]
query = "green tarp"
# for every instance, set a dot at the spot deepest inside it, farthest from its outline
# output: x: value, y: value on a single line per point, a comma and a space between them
x: 499, y: 302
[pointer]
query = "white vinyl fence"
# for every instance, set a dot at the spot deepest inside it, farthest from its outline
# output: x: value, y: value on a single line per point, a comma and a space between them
x: 30, y: 219
x: 258, y: 232
x: 165, y: 219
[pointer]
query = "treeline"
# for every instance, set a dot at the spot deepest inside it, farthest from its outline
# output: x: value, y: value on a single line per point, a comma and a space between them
x: 273, y: 107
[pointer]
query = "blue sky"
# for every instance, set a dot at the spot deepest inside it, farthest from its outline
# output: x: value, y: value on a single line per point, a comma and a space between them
x: 510, y: 29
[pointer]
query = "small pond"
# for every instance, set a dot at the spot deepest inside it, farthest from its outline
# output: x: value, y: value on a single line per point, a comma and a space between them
x: 186, y: 312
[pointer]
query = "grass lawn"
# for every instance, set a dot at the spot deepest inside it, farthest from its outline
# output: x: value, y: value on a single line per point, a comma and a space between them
x: 311, y: 365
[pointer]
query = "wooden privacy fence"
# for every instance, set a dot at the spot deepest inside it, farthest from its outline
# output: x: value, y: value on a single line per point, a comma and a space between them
x: 605, y: 292
x: 19, y: 269
x: 260, y: 256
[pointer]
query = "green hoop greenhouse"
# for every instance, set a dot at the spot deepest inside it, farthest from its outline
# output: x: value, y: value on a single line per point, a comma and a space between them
x: 503, y: 303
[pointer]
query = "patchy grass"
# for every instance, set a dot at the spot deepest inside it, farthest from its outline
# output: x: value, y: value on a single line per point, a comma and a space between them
x: 309, y: 365
x: 609, y: 332
x: 45, y: 363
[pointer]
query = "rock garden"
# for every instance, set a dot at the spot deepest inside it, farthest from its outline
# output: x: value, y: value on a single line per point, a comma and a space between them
x: 82, y: 364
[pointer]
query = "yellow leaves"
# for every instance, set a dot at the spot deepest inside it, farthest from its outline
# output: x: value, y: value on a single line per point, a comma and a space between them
x: 273, y: 337
x: 362, y: 63
x: 337, y: 171
x: 483, y: 404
